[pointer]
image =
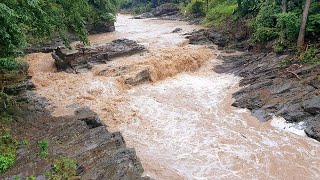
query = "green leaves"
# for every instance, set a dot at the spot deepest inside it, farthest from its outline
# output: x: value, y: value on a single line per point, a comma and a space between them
x: 8, y: 147
x: 34, y: 21
x: 10, y: 64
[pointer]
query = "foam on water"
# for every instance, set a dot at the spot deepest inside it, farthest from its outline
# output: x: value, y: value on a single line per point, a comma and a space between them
x: 186, y: 125
x: 281, y: 124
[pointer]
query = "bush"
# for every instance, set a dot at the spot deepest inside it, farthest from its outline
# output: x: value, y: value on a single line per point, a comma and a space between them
x: 221, y: 12
x: 10, y: 64
x: 265, y: 22
x: 264, y: 34
x: 278, y: 47
x: 29, y: 21
x: 310, y: 55
x: 62, y: 168
x: 8, y: 148
x: 288, y: 25
x: 43, y: 148
x: 196, y: 8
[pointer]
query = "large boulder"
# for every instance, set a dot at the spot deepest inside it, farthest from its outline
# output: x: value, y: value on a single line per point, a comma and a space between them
x: 83, y: 56
x: 167, y: 9
x: 99, y: 154
x: 312, y: 105
x: 205, y: 37
x: 102, y: 28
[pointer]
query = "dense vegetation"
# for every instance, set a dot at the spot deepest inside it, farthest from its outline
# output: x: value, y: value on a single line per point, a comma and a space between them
x: 31, y: 21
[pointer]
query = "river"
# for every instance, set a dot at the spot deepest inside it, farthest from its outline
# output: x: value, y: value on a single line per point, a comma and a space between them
x: 181, y: 124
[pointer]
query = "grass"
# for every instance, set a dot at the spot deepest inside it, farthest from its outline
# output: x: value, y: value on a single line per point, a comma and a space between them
x: 62, y: 168
x: 43, y: 148
x: 8, y: 148
x: 220, y: 11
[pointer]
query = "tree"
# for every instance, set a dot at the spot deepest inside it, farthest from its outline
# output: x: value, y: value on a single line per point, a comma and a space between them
x: 284, y: 6
x: 304, y: 19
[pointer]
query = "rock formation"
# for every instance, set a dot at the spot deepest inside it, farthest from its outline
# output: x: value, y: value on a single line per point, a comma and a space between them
x: 82, y: 56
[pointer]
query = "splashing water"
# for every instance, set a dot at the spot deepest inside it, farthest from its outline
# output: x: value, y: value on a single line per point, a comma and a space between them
x: 182, y: 124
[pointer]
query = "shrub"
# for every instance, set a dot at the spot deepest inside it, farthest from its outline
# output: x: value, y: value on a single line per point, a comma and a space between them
x: 310, y: 55
x: 62, y: 168
x: 265, y: 22
x: 10, y: 64
x: 196, y: 8
x: 264, y: 34
x: 8, y: 147
x: 43, y: 148
x: 288, y: 25
x: 278, y: 47
x: 221, y: 12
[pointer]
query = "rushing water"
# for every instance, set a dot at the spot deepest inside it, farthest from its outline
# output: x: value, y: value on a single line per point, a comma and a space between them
x: 182, y: 125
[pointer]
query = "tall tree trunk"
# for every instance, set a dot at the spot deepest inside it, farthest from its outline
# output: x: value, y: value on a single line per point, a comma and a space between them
x: 283, y: 34
x: 304, y: 19
x: 284, y: 6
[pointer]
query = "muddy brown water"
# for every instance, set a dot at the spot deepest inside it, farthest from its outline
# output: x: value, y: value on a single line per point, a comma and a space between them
x: 182, y: 124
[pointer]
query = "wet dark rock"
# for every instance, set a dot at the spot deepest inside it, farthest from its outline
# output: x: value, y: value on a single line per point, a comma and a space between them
x: 205, y: 37
x: 81, y: 57
x: 312, y: 105
x: 273, y: 88
x: 18, y: 87
x: 89, y: 117
x: 139, y: 77
x: 103, y: 28
x: 45, y: 47
x: 176, y: 30
x: 99, y: 153
x: 313, y: 127
x: 167, y: 9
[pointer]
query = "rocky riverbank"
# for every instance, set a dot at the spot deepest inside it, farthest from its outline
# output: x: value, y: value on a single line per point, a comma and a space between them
x: 273, y: 88
x: 83, y: 138
x: 99, y: 154
x: 271, y: 85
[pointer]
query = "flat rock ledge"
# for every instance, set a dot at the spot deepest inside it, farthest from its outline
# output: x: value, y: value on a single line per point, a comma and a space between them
x: 274, y: 88
x: 99, y: 153
x: 71, y: 60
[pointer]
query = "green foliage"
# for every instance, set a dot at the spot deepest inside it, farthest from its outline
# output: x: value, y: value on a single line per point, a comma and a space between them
x: 311, y: 55
x: 248, y: 7
x: 313, y: 28
x: 288, y: 25
x: 8, y: 147
x: 34, y: 21
x: 196, y: 8
x: 11, y: 35
x: 7, y: 106
x: 10, y: 64
x: 5, y: 119
x: 62, y: 168
x: 141, y: 6
x: 31, y: 178
x: 221, y: 10
x: 278, y: 47
x: 265, y: 22
x: 43, y: 148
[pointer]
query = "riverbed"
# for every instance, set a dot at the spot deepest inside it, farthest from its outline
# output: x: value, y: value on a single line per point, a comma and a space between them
x: 181, y: 124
